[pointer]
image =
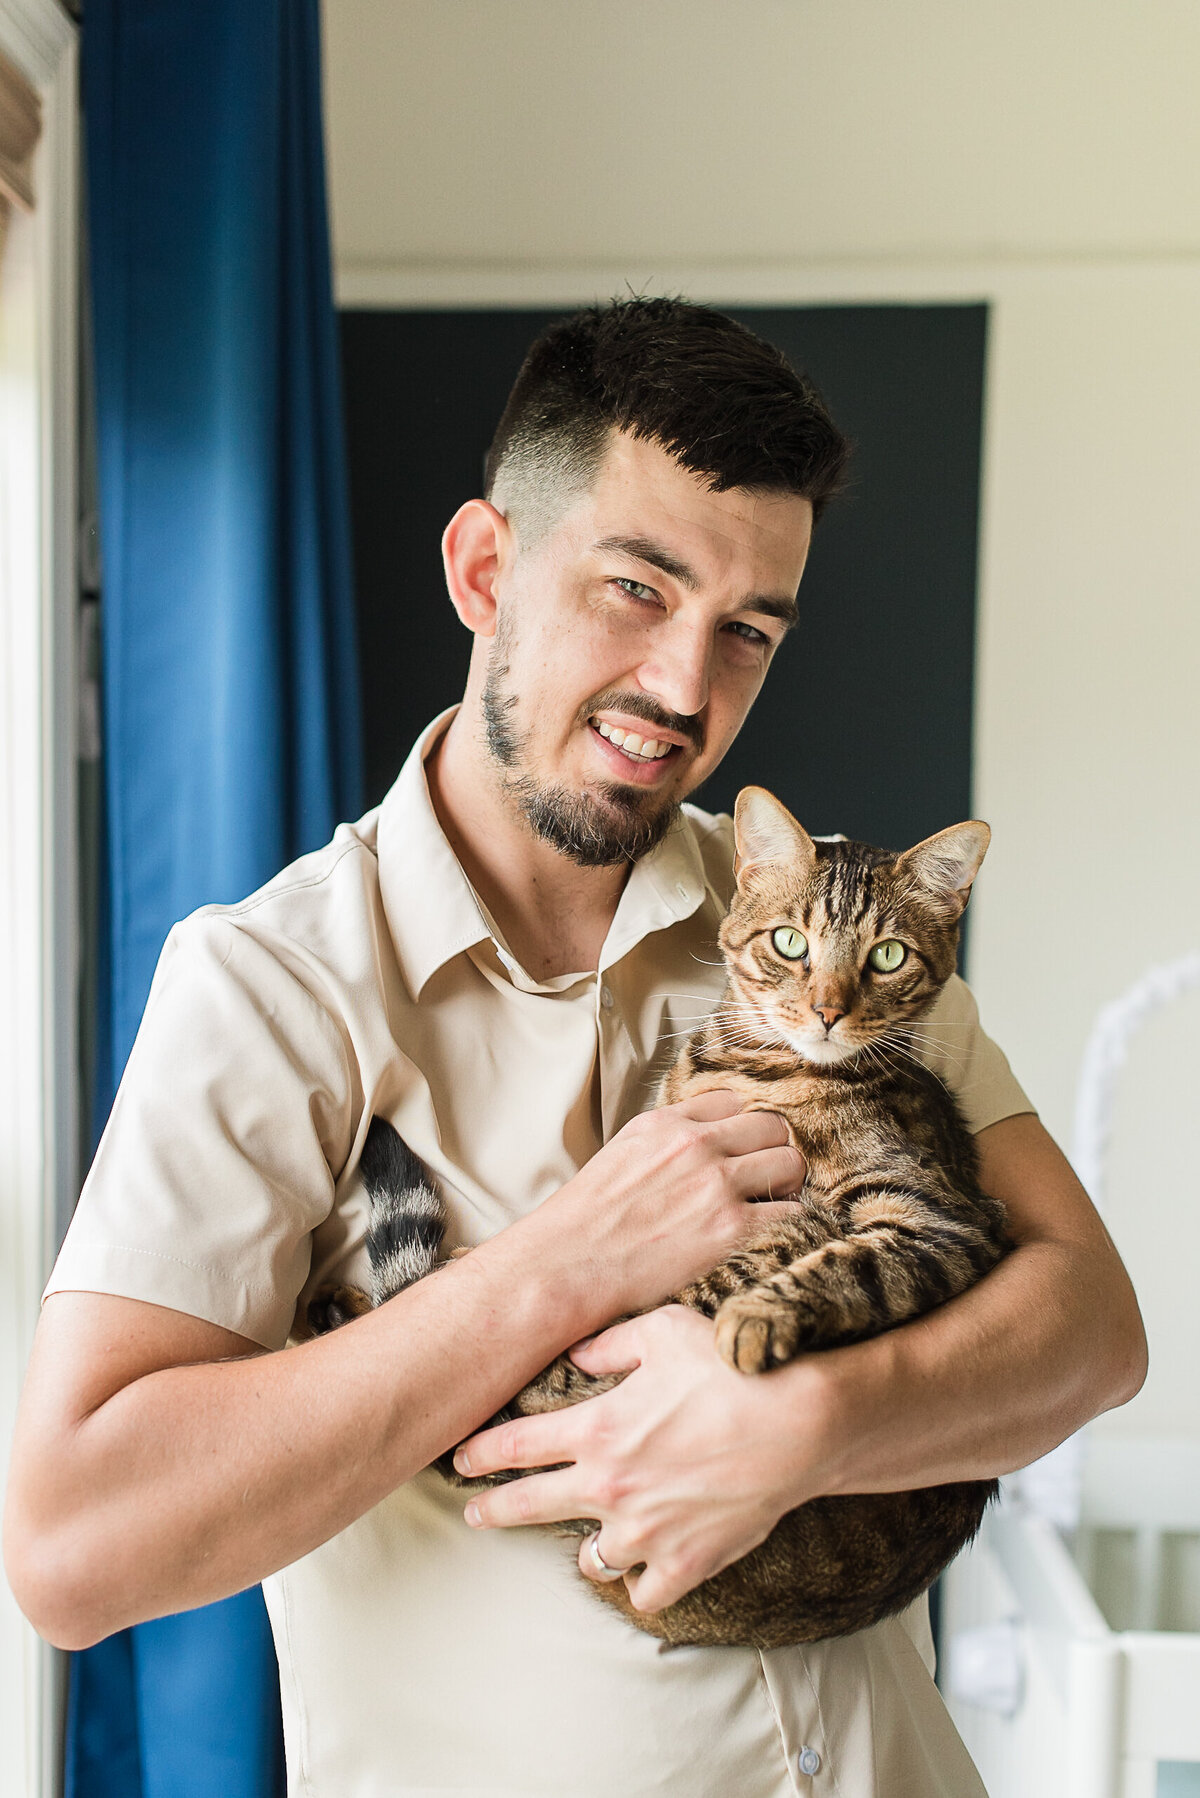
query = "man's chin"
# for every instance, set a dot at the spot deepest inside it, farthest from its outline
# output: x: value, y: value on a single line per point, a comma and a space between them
x: 596, y: 829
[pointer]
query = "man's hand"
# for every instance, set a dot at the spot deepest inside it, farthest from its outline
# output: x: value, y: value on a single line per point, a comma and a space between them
x: 673, y: 1194
x: 688, y: 1465
x: 681, y: 1463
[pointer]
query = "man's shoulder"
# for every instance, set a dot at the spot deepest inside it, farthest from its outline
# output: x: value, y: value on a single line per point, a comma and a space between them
x: 321, y: 911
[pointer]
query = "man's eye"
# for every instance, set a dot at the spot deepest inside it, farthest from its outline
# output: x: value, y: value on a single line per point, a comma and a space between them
x: 749, y: 634
x: 636, y: 589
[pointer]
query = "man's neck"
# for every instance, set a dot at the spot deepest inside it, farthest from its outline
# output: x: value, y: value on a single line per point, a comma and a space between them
x: 553, y: 915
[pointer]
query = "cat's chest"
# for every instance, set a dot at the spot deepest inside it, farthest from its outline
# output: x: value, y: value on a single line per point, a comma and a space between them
x: 834, y: 1126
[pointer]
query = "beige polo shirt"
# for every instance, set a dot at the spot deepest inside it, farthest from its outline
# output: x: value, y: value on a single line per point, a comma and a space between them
x: 418, y: 1656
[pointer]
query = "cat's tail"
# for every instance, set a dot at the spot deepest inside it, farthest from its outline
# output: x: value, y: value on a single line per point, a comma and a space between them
x: 408, y: 1218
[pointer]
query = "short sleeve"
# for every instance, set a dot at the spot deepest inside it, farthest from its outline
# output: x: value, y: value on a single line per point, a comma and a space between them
x: 968, y: 1061
x: 236, y: 1110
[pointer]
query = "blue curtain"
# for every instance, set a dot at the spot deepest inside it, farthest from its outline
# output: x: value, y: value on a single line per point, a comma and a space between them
x: 232, y: 731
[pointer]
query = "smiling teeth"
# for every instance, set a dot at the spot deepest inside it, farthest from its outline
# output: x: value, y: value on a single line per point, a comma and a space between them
x: 628, y: 740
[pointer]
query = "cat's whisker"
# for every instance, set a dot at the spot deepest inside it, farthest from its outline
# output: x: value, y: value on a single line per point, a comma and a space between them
x: 924, y: 1047
x: 927, y: 1026
x: 932, y: 1031
x: 922, y: 1041
x: 880, y: 1058
x: 899, y: 1047
x: 917, y: 1061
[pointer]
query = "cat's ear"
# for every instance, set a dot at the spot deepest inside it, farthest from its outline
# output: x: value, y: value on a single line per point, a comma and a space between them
x: 767, y: 835
x: 946, y: 865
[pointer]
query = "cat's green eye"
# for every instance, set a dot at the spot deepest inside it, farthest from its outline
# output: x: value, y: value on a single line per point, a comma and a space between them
x: 886, y: 957
x: 791, y: 944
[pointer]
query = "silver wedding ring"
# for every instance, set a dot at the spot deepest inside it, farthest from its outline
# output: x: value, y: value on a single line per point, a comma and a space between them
x: 603, y: 1570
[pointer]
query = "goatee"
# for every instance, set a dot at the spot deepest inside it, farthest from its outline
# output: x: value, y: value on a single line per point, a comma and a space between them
x: 596, y: 829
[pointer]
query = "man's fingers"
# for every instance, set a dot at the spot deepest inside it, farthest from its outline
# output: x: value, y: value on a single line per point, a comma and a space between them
x: 707, y: 1108
x: 652, y: 1589
x: 748, y: 1131
x: 594, y: 1561
x: 542, y: 1498
x: 770, y: 1173
x: 613, y: 1351
x: 526, y: 1442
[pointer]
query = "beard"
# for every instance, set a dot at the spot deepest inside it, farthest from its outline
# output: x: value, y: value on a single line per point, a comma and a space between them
x: 597, y: 829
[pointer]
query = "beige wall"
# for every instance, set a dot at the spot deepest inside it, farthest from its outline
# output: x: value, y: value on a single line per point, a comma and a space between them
x: 588, y: 130
x: 1045, y: 156
x: 1088, y: 740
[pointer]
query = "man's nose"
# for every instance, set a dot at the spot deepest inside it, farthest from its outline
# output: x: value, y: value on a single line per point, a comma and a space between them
x: 678, y: 671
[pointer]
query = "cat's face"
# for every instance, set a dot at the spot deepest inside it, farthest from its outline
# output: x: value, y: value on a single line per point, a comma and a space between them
x: 833, y: 947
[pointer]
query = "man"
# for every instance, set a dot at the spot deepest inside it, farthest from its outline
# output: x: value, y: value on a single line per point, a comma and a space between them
x: 494, y: 961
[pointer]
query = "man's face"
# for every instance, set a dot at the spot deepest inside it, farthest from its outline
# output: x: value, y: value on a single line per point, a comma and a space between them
x: 630, y: 644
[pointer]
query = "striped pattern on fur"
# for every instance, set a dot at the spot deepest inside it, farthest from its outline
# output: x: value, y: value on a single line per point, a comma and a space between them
x: 408, y: 1218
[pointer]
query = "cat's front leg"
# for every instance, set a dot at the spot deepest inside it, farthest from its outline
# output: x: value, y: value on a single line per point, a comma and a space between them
x: 750, y: 1297
x: 808, y: 1305
x: 899, y: 1256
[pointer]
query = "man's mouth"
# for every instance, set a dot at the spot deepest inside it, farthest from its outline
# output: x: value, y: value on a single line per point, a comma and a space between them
x: 637, y: 748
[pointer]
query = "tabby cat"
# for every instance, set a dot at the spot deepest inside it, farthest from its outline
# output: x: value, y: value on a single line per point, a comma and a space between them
x: 834, y: 952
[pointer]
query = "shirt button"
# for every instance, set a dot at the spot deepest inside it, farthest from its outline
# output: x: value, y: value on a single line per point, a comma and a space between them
x: 810, y: 1761
x: 606, y: 998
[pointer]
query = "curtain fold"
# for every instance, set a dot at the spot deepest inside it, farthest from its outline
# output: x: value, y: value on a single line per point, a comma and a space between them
x: 231, y: 715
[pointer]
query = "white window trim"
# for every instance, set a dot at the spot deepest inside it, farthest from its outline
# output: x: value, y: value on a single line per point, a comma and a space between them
x: 38, y: 930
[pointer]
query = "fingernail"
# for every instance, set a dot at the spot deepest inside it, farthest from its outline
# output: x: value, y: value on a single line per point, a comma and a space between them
x: 462, y: 1461
x: 585, y: 1342
x: 472, y: 1515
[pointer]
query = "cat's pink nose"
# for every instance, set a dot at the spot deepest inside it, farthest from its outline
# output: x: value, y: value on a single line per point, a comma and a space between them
x: 828, y: 1014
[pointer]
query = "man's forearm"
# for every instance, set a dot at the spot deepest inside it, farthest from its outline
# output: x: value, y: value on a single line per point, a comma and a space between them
x: 158, y: 1464
x: 191, y: 1482
x: 978, y: 1388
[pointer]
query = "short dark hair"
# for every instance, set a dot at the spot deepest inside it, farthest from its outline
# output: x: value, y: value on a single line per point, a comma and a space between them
x: 726, y: 404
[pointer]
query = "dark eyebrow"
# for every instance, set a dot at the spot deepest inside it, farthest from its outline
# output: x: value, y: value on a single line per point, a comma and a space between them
x: 644, y: 549
x: 786, y: 610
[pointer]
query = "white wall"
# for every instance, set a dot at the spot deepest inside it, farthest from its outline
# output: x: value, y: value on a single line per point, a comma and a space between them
x: 1041, y: 154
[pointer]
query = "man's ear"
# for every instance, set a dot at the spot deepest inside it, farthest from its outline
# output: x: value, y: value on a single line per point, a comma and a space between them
x: 766, y: 833
x: 475, y: 545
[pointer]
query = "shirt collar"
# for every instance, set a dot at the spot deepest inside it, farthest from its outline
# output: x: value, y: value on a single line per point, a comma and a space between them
x: 431, y: 907
x: 665, y: 887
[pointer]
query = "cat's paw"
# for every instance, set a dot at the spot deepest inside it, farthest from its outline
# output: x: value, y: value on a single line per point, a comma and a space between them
x: 332, y: 1306
x: 757, y: 1330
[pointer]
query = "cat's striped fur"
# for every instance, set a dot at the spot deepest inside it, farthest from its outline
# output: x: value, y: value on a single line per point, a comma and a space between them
x: 891, y: 1220
x: 408, y: 1218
